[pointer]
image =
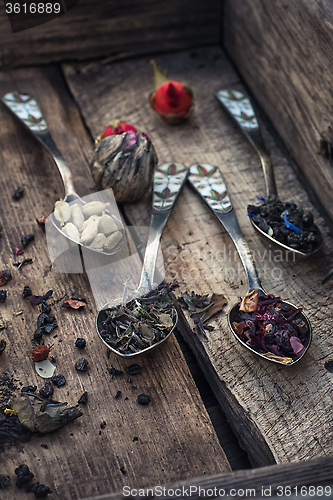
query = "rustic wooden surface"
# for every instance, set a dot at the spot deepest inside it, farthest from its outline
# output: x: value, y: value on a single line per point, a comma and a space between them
x: 101, y: 29
x: 283, y: 52
x: 82, y: 459
x: 274, y: 481
x: 279, y: 414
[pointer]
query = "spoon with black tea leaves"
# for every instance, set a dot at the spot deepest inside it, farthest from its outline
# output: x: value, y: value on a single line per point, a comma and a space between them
x: 282, y: 223
x: 141, y: 333
x: 208, y: 182
x: 70, y: 209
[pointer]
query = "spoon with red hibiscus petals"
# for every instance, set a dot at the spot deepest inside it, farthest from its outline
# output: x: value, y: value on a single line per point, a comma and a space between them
x: 281, y: 223
x: 287, y: 333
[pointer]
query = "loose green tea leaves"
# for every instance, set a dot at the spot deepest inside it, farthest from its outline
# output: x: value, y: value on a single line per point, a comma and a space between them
x: 140, y: 324
x: 39, y: 415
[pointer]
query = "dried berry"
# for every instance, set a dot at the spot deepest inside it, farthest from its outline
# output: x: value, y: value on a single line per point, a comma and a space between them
x: 58, y: 380
x: 39, y: 490
x: 27, y: 292
x: 118, y: 394
x: 46, y: 391
x: 83, y: 399
x: 25, y: 240
x: 3, y: 295
x: 143, y: 399
x: 5, y: 276
x: 103, y: 424
x: 40, y: 352
x: 80, y: 343
x: 2, y: 346
x: 81, y: 365
x: 133, y: 369
x: 23, y: 475
x: 18, y: 193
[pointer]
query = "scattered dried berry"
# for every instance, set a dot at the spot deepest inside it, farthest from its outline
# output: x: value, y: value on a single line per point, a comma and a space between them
x: 24, y: 475
x: 18, y: 251
x: 38, y: 299
x: 25, y: 240
x: 123, y: 470
x: 58, y: 380
x: 2, y: 346
x: 135, y: 439
x: 133, y: 369
x: 103, y: 424
x: 5, y: 276
x: 27, y: 292
x: 81, y: 365
x: 143, y: 399
x: 39, y: 490
x: 80, y: 343
x: 18, y: 193
x: 74, y: 304
x: 40, y: 352
x: 3, y: 295
x: 4, y: 481
x: 46, y: 391
x: 29, y: 388
x: 118, y: 394
x: 83, y: 399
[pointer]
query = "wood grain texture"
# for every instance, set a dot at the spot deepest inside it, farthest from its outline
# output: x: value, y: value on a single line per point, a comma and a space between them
x: 175, y: 438
x: 258, y: 482
x: 283, y: 52
x: 99, y: 29
x: 279, y: 415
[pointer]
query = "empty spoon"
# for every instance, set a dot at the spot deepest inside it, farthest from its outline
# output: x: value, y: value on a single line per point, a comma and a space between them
x: 169, y: 179
x: 27, y: 111
x: 274, y: 219
x: 208, y: 182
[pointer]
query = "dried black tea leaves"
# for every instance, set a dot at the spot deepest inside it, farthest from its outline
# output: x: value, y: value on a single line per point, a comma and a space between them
x: 198, y: 323
x: 46, y: 392
x: 29, y: 388
x: 118, y: 394
x: 80, y: 343
x: 218, y: 301
x: 39, y: 490
x: 202, y: 307
x: 24, y: 475
x: 114, y: 372
x: 20, y: 265
x: 140, y: 324
x: 81, y: 365
x: 18, y: 193
x: 143, y: 399
x: 39, y: 415
x: 133, y: 369
x: 83, y: 399
x: 3, y: 295
x: 58, y: 380
x: 38, y: 299
x: 27, y: 292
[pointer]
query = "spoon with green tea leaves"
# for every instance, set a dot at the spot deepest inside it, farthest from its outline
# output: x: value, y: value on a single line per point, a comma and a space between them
x: 266, y: 325
x: 285, y: 224
x: 91, y: 224
x: 133, y: 327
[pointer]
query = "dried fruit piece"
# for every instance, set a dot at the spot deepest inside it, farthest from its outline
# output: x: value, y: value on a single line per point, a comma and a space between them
x: 250, y: 302
x: 143, y: 399
x: 40, y: 352
x: 94, y: 208
x: 58, y: 380
x: 74, y: 304
x: 39, y: 490
x: 81, y: 365
x: 172, y: 100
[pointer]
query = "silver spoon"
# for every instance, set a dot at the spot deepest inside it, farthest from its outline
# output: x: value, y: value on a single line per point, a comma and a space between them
x: 240, y: 109
x: 208, y: 182
x: 27, y: 111
x: 169, y: 179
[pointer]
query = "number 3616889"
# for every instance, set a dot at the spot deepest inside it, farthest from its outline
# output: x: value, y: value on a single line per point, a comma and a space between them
x: 32, y: 8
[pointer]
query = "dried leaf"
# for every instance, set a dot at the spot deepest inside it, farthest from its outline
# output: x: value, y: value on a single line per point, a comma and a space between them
x: 250, y: 302
x: 74, y: 304
x: 198, y: 323
x: 270, y: 355
x: 219, y: 301
x: 38, y: 299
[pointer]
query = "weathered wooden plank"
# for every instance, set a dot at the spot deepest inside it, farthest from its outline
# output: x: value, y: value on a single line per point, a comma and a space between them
x: 278, y: 414
x: 283, y: 52
x: 83, y: 458
x: 306, y: 479
x: 102, y: 29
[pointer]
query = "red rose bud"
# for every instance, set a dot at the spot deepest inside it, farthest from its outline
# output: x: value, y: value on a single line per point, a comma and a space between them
x: 115, y: 127
x: 172, y: 100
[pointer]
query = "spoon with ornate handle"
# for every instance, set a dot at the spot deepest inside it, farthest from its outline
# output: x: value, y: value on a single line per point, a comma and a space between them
x: 27, y: 111
x: 208, y: 182
x: 239, y: 107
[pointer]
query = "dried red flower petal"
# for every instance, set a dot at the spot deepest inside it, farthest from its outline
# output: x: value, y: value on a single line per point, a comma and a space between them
x: 38, y: 299
x: 18, y: 251
x: 40, y: 352
x: 74, y: 304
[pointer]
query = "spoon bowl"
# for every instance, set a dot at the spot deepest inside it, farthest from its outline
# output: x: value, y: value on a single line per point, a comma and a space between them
x: 239, y: 107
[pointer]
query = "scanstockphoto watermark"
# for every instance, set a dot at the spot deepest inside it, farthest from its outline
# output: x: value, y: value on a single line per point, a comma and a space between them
x: 26, y: 14
x: 189, y: 491
x: 224, y: 263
